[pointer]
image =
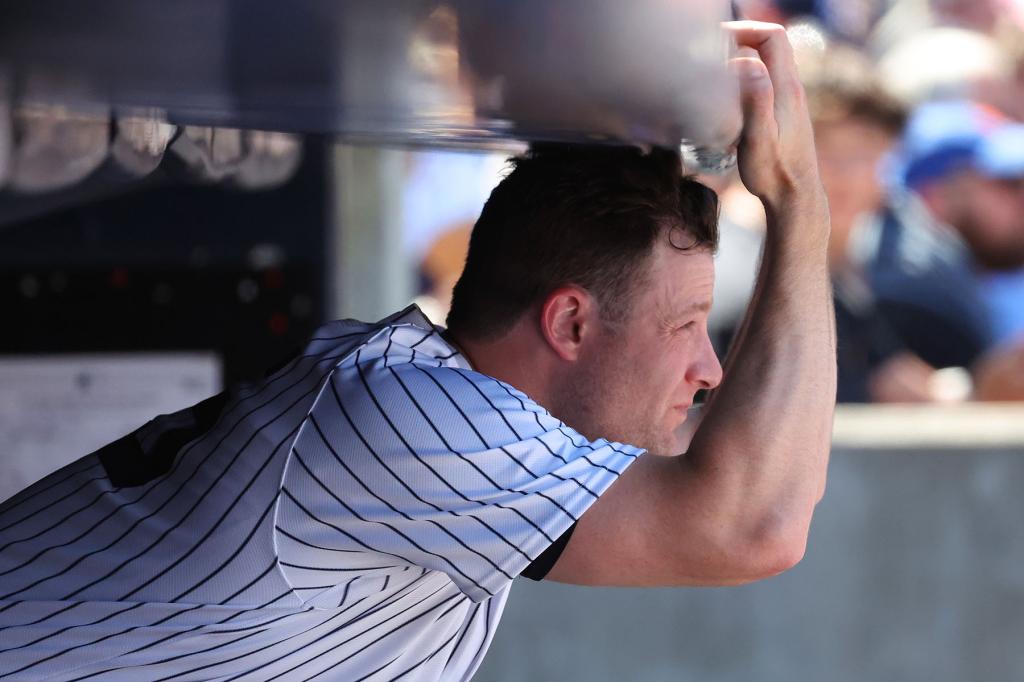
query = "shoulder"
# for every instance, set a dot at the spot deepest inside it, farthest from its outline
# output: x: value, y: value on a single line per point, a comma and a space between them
x: 415, y: 377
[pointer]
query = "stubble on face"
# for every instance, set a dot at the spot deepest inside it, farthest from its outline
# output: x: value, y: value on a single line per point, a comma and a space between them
x: 988, y: 215
x: 600, y: 400
x: 629, y: 385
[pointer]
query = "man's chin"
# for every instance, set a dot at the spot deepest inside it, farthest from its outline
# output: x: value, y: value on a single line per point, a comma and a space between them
x: 667, y: 446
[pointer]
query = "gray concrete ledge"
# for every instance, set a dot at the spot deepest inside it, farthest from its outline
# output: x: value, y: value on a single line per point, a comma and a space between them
x: 970, y: 425
x: 914, y: 571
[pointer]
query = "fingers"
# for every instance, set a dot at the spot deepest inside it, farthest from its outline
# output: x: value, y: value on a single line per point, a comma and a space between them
x: 771, y: 43
x: 774, y: 49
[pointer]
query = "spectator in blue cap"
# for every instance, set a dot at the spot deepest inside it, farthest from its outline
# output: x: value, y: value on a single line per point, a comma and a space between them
x: 966, y: 162
x: 955, y: 213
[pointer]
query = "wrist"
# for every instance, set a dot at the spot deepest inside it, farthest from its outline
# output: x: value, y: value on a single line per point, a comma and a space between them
x: 797, y: 197
x: 800, y: 213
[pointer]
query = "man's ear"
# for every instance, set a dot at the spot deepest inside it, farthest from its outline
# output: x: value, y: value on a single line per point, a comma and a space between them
x: 567, y: 316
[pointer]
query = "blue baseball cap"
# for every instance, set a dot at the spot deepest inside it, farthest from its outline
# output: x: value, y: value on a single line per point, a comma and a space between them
x: 1001, y: 154
x: 942, y: 138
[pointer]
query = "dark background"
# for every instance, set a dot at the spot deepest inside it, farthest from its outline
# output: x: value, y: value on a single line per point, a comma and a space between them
x: 167, y: 264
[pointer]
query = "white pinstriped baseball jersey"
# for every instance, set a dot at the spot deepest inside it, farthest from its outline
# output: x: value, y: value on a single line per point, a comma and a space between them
x: 360, y: 514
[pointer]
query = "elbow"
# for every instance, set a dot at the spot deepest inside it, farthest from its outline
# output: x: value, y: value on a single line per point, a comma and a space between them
x: 781, y: 555
x: 773, y: 549
x: 738, y: 556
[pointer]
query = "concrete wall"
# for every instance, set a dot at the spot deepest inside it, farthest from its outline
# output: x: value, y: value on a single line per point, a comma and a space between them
x: 914, y: 571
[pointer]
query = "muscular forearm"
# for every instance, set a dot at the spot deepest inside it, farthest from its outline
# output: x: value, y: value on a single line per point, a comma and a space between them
x: 762, y: 447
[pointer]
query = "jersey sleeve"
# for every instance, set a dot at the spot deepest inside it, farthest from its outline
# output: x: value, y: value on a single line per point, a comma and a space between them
x: 445, y: 468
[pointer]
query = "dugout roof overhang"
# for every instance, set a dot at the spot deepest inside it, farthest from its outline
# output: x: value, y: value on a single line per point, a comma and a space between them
x: 478, y: 73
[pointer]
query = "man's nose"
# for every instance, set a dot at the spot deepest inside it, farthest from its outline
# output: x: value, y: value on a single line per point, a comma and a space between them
x: 706, y: 371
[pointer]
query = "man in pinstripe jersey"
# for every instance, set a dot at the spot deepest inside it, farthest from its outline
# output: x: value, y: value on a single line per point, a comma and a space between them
x: 362, y: 512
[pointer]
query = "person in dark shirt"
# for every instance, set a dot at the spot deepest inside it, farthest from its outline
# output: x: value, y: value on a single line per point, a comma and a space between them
x: 955, y: 212
x: 855, y: 125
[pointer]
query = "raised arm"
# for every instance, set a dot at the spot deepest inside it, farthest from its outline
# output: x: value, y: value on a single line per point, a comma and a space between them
x: 737, y: 506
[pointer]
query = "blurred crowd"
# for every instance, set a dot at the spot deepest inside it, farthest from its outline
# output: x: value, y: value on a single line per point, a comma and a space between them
x: 917, y: 107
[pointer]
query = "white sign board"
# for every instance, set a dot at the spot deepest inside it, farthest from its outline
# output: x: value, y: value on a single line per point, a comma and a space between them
x: 57, y: 408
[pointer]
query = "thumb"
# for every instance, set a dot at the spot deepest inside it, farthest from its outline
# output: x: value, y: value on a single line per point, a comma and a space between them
x: 757, y: 101
x: 757, y: 151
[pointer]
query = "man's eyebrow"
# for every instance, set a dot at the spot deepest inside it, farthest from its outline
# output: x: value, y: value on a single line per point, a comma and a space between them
x: 699, y: 307
x: 682, y: 311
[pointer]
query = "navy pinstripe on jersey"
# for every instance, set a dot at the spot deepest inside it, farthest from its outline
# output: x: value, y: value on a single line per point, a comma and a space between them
x: 358, y: 515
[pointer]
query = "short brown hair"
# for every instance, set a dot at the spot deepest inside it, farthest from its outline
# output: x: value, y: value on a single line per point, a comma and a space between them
x: 576, y: 215
x: 841, y: 84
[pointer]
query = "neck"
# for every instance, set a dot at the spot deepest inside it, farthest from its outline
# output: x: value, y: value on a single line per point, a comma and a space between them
x: 518, y: 358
